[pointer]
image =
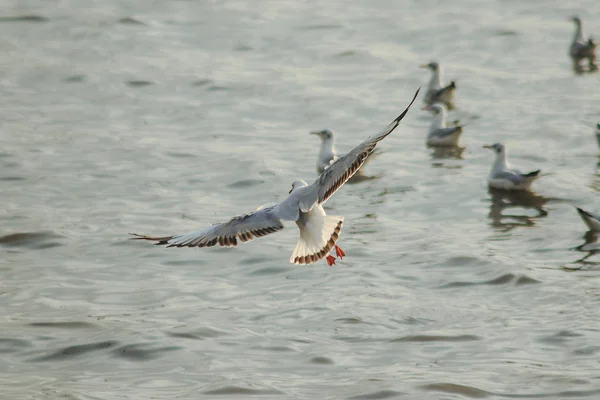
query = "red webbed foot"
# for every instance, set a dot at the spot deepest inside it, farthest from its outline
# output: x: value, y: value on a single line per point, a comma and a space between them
x: 330, y: 260
x: 339, y: 252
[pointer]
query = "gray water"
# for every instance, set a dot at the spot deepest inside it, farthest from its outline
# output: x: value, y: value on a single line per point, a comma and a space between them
x: 158, y: 118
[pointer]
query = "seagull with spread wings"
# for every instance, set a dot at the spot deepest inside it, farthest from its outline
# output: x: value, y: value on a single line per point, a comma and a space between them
x: 319, y: 232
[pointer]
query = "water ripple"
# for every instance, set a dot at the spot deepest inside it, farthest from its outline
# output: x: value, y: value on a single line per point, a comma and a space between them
x: 32, y: 240
x: 436, y: 338
x: 379, y: 395
x: 238, y: 390
x: 504, y: 279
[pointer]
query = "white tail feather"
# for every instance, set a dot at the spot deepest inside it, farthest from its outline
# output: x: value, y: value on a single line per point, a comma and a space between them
x: 317, y: 237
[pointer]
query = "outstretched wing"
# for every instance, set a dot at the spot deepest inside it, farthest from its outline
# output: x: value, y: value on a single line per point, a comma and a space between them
x: 243, y: 227
x: 344, y: 167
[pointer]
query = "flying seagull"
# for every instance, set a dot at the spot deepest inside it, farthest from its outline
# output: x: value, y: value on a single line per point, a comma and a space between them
x: 582, y: 49
x: 304, y: 205
x: 436, y: 93
x: 439, y: 134
x: 502, y: 177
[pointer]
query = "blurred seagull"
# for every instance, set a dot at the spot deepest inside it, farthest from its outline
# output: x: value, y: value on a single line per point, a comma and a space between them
x: 328, y: 154
x: 582, y: 49
x: 439, y: 134
x: 304, y: 205
x: 502, y: 177
x: 436, y: 93
x: 592, y: 221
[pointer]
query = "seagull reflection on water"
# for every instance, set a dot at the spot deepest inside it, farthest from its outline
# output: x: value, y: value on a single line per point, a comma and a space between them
x: 590, y: 245
x: 503, y: 199
x: 447, y: 153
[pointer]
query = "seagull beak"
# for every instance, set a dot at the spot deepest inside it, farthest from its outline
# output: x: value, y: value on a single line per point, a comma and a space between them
x: 424, y: 66
x: 487, y: 146
x: 314, y: 133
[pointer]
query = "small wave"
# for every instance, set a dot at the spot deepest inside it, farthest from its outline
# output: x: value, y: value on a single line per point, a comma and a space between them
x: 8, y: 345
x: 76, y: 351
x: 63, y: 325
x: 321, y: 360
x: 138, y: 83
x: 198, y: 334
x: 33, y: 240
x: 379, y: 395
x: 504, y: 279
x: 24, y: 18
x: 242, y: 391
x: 130, y: 21
x: 468, y: 391
x: 245, y: 183
x: 141, y: 352
x: 436, y: 338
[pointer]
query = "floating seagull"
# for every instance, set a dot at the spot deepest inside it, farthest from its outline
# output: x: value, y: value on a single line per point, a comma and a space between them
x: 582, y: 49
x: 439, y: 134
x: 502, y: 177
x: 436, y: 93
x: 304, y: 205
x: 327, y: 155
x: 592, y: 221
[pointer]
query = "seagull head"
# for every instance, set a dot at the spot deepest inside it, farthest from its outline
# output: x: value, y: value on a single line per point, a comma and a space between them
x: 297, y: 184
x: 598, y: 126
x: 498, y: 148
x: 575, y: 19
x: 325, y: 134
x: 434, y: 66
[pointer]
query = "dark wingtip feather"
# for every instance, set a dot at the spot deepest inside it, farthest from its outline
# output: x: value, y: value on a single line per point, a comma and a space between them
x: 408, y: 107
x: 159, y: 240
x: 583, y: 213
x: 533, y: 173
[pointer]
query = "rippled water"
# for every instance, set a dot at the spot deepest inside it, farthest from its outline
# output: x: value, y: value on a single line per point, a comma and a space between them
x: 160, y: 117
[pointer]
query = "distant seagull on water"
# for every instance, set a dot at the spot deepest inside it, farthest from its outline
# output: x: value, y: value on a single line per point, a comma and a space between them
x: 502, y: 177
x: 581, y: 48
x: 304, y: 205
x: 439, y: 134
x: 328, y: 154
x: 436, y: 93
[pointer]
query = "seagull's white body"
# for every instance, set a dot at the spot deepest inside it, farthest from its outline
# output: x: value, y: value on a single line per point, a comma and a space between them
x: 592, y: 221
x: 304, y: 205
x: 439, y: 134
x: 327, y: 153
x: 582, y: 48
x: 503, y: 177
x: 436, y: 91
